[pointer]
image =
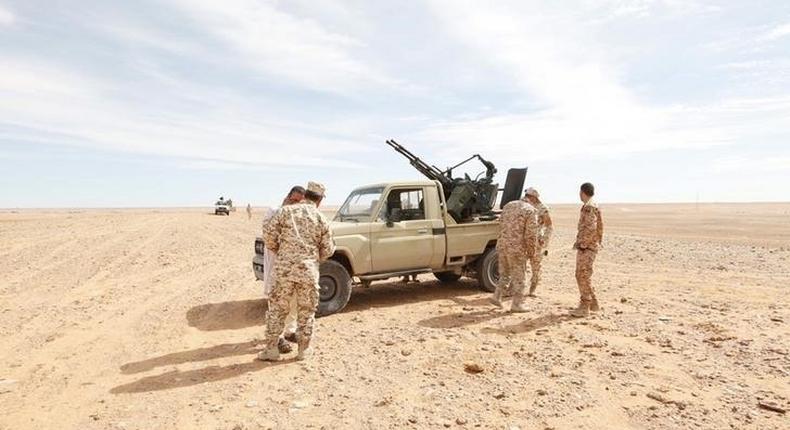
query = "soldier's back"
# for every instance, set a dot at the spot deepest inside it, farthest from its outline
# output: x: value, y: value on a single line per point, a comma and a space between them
x: 302, y: 226
x: 513, y: 221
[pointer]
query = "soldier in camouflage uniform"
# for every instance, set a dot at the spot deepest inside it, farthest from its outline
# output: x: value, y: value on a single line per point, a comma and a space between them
x: 545, y: 229
x: 588, y: 240
x: 517, y: 244
x: 301, y: 237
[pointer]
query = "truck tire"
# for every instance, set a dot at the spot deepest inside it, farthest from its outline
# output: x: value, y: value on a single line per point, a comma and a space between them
x: 488, y: 270
x: 335, y: 288
x: 447, y: 277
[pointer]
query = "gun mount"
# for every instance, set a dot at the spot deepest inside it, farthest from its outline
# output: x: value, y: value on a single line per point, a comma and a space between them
x: 466, y: 197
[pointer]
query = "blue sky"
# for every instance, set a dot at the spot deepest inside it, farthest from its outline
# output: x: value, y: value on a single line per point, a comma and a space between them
x: 175, y: 102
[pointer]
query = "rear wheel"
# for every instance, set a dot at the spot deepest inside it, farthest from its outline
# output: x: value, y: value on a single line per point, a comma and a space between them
x: 335, y: 288
x: 447, y: 277
x: 488, y: 270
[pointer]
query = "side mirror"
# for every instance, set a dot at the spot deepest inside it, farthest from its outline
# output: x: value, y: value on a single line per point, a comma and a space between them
x: 393, y: 217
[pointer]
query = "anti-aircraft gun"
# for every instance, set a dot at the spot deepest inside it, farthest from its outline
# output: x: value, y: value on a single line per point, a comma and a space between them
x: 466, y: 198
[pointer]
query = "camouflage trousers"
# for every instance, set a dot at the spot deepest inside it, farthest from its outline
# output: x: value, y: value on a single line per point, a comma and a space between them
x: 584, y: 271
x: 512, y: 274
x: 536, y: 264
x: 306, y: 296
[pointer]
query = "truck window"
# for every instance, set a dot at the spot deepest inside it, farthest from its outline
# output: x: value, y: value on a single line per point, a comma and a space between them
x: 360, y: 204
x: 408, y: 203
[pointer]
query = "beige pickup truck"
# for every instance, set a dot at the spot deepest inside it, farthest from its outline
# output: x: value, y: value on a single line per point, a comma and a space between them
x: 389, y: 230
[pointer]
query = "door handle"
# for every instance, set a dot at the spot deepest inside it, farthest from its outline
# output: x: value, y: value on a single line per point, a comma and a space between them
x: 422, y: 231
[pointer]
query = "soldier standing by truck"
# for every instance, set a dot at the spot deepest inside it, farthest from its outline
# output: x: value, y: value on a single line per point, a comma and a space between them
x: 588, y: 240
x: 301, y: 237
x: 545, y: 229
x: 296, y: 195
x: 517, y: 244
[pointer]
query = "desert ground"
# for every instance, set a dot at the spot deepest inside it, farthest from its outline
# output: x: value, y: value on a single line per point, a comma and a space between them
x: 148, y: 319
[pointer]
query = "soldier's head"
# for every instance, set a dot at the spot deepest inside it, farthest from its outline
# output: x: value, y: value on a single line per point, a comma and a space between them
x: 296, y: 195
x: 315, y: 192
x: 586, y: 192
x: 532, y: 195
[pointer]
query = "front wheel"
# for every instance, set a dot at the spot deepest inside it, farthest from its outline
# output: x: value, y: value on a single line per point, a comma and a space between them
x: 335, y: 288
x: 488, y: 270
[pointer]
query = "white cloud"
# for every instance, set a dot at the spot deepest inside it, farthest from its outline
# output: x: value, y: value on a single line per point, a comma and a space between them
x: 759, y: 164
x: 777, y: 32
x: 6, y: 17
x: 284, y: 46
x: 44, y: 102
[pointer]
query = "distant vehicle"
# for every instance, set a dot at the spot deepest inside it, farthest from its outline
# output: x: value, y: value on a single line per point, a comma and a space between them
x: 223, y: 207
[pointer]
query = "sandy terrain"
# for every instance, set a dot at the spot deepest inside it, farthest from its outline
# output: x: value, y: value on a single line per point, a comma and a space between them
x: 145, y: 319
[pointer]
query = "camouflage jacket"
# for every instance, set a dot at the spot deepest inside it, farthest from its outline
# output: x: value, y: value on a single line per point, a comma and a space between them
x: 519, y: 233
x: 544, y: 230
x: 301, y: 237
x: 590, y: 232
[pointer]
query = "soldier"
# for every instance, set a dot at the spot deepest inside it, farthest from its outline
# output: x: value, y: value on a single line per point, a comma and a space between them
x: 249, y: 211
x: 517, y: 244
x: 294, y: 196
x: 545, y: 229
x: 588, y: 240
x: 301, y: 237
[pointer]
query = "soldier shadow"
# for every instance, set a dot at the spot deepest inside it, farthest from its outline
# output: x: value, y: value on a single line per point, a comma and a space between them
x: 194, y: 355
x: 529, y: 325
x: 462, y: 319
x: 180, y: 379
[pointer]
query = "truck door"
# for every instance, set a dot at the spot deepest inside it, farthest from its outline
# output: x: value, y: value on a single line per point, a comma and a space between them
x: 402, y: 236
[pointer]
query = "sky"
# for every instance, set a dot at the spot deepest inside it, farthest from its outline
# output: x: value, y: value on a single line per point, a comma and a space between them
x: 177, y: 102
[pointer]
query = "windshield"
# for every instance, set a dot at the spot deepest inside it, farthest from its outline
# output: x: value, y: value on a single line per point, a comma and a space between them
x: 360, y: 204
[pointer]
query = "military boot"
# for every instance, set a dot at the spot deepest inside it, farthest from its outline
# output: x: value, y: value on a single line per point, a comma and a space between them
x: 532, y: 289
x: 270, y: 353
x: 518, y: 305
x: 582, y: 310
x: 283, y: 346
x: 594, y: 305
x: 304, y: 349
x: 496, y: 298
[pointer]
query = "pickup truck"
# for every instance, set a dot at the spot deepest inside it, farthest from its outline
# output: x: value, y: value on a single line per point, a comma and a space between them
x: 394, y: 229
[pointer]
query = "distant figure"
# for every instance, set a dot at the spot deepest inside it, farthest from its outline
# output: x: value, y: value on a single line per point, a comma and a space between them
x: 588, y: 240
x: 545, y: 229
x: 249, y: 211
x: 301, y: 237
x: 517, y: 243
x: 296, y: 195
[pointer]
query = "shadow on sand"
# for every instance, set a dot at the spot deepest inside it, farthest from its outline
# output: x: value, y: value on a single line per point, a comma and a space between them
x: 178, y: 379
x: 240, y: 314
x: 529, y: 325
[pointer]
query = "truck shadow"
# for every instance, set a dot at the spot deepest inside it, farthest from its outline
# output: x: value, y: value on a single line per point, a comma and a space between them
x: 239, y: 314
x: 389, y: 294
x: 232, y: 315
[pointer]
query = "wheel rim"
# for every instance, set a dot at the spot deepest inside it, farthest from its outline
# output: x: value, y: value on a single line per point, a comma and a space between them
x: 328, y: 288
x: 493, y: 271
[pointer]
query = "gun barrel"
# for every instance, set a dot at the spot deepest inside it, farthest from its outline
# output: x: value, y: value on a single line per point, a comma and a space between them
x: 429, y: 171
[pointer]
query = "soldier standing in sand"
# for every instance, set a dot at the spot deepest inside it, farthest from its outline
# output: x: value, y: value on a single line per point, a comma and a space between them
x: 301, y: 237
x: 517, y: 243
x: 249, y: 211
x: 296, y: 195
x: 545, y: 229
x: 588, y: 240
